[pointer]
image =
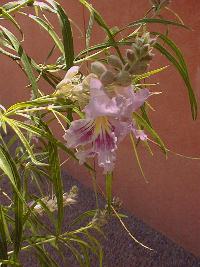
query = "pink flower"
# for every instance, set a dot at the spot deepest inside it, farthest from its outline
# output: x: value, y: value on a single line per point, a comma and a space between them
x: 107, y: 121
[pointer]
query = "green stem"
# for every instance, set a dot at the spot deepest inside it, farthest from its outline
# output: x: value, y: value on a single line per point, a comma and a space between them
x: 109, y: 176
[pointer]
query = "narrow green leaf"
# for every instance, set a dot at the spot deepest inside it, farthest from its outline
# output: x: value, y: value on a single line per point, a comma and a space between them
x: 9, y: 17
x: 67, y: 37
x: 24, y: 59
x: 84, y: 215
x: 159, y: 21
x: 6, y: 53
x: 9, y: 262
x: 109, y: 177
x: 14, y: 6
x: 43, y: 6
x: 43, y: 134
x: 9, y: 168
x: 47, y: 27
x: 89, y: 30
x: 3, y: 235
x: 55, y: 172
x: 137, y: 157
x: 141, y: 121
x: 182, y: 69
x: 45, y: 257
x: 98, y: 18
x: 24, y: 141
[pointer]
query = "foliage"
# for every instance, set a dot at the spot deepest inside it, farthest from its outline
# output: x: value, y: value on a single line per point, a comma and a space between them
x: 30, y: 159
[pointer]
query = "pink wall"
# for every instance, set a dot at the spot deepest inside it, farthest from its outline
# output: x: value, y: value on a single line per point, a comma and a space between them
x: 170, y: 201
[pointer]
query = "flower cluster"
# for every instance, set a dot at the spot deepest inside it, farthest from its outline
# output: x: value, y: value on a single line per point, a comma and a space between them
x: 110, y: 102
x: 69, y: 198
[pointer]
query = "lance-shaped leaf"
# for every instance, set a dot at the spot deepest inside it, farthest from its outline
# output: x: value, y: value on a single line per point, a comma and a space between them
x: 3, y: 235
x: 8, y: 166
x: 182, y: 69
x: 24, y: 59
x: 67, y: 36
x: 158, y: 21
x: 141, y: 121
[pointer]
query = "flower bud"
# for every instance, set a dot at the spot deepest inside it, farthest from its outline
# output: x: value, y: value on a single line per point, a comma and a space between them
x: 98, y: 68
x: 148, y: 57
x: 123, y: 78
x: 158, y: 4
x: 131, y: 56
x: 107, y: 77
x: 153, y: 41
x: 138, y: 68
x: 127, y: 67
x: 115, y: 61
x: 144, y: 50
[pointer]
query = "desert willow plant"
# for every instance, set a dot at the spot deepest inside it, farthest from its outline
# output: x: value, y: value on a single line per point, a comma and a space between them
x: 110, y: 101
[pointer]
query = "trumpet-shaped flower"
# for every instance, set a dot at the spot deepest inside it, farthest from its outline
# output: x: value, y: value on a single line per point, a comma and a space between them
x: 107, y: 121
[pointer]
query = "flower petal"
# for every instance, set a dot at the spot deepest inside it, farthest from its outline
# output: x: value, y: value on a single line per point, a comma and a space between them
x: 82, y: 155
x: 139, y: 134
x: 139, y: 98
x: 107, y: 160
x: 100, y: 104
x: 80, y: 132
x: 68, y: 77
x: 121, y: 128
x: 105, y: 139
x: 72, y: 72
x: 128, y: 101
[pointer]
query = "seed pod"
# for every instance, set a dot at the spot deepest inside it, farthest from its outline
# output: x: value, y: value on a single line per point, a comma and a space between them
x: 115, y: 62
x: 123, y: 78
x: 107, y: 77
x: 98, y: 68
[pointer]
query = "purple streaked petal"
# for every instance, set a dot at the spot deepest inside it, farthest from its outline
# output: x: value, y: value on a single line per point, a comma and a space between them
x: 121, y: 129
x: 84, y: 154
x: 80, y: 132
x: 105, y: 141
x: 106, y: 160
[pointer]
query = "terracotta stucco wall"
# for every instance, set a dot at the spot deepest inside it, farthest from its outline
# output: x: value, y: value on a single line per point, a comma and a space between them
x: 170, y: 201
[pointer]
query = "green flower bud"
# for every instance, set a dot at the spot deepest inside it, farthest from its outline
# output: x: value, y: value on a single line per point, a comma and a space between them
x: 98, y: 68
x: 107, y: 77
x: 131, y: 56
x: 158, y: 4
x: 115, y: 61
x: 153, y: 41
x: 148, y: 57
x: 123, y: 78
x: 126, y: 67
x: 144, y: 50
x: 138, y: 68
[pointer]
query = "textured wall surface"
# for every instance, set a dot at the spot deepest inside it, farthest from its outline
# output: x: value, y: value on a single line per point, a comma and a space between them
x: 170, y: 201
